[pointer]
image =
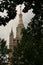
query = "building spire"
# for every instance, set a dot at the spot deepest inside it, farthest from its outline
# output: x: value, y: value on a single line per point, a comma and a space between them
x: 11, y: 39
x: 20, y: 16
x: 11, y: 32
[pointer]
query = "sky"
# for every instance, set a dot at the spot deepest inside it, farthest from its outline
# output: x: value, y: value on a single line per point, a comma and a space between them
x: 5, y: 30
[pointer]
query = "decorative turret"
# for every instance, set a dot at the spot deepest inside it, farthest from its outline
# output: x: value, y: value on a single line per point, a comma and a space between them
x: 11, y: 44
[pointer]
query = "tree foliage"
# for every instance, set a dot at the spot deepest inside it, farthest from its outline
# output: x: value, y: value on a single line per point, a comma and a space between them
x: 32, y: 41
x: 10, y: 7
x: 3, y: 51
x: 30, y: 49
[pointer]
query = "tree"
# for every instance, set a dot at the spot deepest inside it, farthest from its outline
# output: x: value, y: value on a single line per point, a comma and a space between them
x: 18, y: 55
x: 3, y: 51
x: 34, y: 42
x: 30, y: 49
x: 10, y: 7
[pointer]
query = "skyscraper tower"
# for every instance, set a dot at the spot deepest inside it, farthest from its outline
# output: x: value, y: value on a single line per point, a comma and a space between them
x: 20, y: 26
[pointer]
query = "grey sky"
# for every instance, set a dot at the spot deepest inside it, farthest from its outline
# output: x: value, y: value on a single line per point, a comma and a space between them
x: 5, y: 31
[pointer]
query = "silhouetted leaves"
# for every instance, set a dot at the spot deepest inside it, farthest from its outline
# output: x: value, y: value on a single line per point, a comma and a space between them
x: 3, y: 51
x: 10, y: 6
x: 31, y: 44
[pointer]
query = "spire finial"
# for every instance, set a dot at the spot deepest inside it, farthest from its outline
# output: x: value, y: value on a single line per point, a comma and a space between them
x: 20, y: 9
